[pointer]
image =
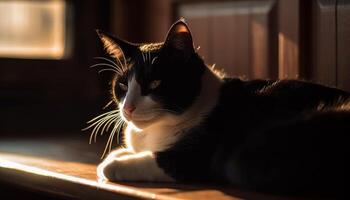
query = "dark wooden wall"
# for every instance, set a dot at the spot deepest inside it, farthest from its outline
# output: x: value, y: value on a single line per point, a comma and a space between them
x: 343, y: 43
x: 141, y: 21
x: 239, y: 36
x: 247, y: 38
x: 274, y: 38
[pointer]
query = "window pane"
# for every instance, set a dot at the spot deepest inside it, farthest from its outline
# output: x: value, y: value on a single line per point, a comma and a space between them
x: 32, y: 29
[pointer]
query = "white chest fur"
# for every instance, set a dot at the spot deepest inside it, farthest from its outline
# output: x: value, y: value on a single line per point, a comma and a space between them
x: 155, y: 138
x: 162, y: 135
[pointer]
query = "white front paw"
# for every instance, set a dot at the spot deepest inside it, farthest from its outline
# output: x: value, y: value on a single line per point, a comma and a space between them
x: 106, y: 168
x: 136, y: 167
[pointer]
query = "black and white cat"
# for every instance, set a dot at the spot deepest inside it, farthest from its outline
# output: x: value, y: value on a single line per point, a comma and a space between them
x: 185, y: 123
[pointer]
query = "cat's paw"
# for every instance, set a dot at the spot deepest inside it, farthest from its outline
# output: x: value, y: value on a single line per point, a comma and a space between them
x: 136, y: 167
x: 114, y: 170
x: 105, y: 169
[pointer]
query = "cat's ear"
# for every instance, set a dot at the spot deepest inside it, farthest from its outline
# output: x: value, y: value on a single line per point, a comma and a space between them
x: 116, y: 47
x: 179, y: 37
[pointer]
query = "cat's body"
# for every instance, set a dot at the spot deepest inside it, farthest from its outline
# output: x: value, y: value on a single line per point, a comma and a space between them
x: 187, y: 124
x: 271, y: 137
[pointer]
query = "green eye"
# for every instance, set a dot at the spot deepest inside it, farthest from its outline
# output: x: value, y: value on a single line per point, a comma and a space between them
x: 154, y: 84
x: 123, y: 86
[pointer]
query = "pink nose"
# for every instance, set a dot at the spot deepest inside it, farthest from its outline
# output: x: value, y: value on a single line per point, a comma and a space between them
x: 128, y: 109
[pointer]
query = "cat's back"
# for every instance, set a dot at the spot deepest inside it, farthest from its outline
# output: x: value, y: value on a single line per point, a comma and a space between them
x: 250, y: 106
x: 276, y: 94
x: 259, y: 87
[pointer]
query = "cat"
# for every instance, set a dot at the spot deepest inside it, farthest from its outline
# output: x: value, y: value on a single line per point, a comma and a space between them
x: 184, y: 122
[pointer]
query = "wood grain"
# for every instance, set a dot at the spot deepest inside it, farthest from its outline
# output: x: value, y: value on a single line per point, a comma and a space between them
x: 323, y: 65
x: 234, y: 35
x: 288, y: 39
x: 343, y: 44
x: 48, y: 165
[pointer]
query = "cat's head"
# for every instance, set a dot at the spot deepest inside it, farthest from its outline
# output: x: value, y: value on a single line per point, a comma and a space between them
x: 157, y: 79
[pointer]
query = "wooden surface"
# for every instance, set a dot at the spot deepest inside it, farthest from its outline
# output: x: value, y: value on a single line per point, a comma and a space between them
x: 343, y: 44
x: 238, y: 36
x: 66, y: 167
x: 288, y: 39
x: 323, y: 42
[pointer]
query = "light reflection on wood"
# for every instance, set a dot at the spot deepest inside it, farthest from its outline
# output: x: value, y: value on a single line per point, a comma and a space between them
x: 59, y: 174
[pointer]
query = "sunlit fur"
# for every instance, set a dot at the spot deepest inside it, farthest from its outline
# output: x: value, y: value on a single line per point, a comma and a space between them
x: 150, y: 47
x: 114, y: 50
x: 264, y: 135
x: 131, y: 167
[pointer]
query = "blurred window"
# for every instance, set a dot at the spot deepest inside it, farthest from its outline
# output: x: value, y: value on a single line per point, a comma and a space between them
x: 33, y: 29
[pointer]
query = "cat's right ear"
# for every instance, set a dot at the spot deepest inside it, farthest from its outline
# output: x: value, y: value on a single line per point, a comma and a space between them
x: 179, y: 37
x: 116, y: 47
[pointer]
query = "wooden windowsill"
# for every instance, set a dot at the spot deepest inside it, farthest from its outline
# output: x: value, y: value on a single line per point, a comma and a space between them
x: 54, y: 167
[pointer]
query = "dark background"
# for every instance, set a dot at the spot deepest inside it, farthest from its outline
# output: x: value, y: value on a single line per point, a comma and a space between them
x: 251, y: 39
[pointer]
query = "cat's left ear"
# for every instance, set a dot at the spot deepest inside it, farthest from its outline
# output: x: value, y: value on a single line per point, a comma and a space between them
x: 117, y: 48
x: 179, y: 37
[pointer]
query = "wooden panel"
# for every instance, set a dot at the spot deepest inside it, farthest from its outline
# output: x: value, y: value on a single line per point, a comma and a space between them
x: 288, y: 39
x: 230, y: 43
x: 141, y: 21
x: 323, y: 42
x: 236, y: 36
x: 263, y: 32
x: 273, y: 41
x: 200, y: 31
x: 343, y: 44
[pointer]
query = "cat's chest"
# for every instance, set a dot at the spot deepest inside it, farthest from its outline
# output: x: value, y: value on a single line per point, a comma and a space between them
x: 154, y: 140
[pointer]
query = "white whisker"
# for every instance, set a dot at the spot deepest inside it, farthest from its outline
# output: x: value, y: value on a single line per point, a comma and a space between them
x: 143, y: 57
x: 154, y: 59
x: 102, y: 123
x: 109, y: 121
x: 112, y: 70
x: 108, y: 60
x: 98, y: 126
x: 149, y: 58
x: 108, y: 104
x: 109, y: 125
x: 108, y: 141
x: 98, y: 121
x: 104, y: 64
x: 101, y: 116
x: 120, y: 64
x: 120, y: 125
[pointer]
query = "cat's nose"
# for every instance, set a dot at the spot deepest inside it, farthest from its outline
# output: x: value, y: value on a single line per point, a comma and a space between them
x: 128, y: 109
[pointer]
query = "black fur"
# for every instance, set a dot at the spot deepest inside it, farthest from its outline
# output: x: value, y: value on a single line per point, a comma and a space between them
x: 269, y: 137
x: 285, y: 137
